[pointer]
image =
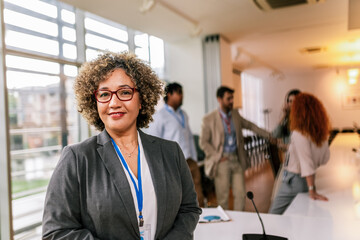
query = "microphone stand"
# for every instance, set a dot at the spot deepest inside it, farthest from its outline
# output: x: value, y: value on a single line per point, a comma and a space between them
x: 263, y: 236
x: 262, y: 224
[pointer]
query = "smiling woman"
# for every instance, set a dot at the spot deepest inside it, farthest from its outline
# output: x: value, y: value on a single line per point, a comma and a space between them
x: 137, y: 73
x: 118, y: 113
x: 148, y: 193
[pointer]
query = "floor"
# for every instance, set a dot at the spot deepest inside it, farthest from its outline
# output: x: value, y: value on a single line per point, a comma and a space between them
x: 260, y: 181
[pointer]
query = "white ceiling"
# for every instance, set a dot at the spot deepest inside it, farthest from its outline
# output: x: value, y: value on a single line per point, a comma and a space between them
x: 260, y: 39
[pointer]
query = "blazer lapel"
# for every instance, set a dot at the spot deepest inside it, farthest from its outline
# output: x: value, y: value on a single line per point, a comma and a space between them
x: 219, y: 127
x: 155, y: 161
x: 112, y: 163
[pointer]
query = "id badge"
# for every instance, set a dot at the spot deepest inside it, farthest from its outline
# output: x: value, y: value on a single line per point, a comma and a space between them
x: 230, y: 140
x: 145, y: 232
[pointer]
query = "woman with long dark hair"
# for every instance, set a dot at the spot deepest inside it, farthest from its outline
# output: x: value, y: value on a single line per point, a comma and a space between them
x: 282, y: 130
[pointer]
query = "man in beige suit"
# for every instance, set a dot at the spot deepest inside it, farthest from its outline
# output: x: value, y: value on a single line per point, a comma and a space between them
x: 222, y: 140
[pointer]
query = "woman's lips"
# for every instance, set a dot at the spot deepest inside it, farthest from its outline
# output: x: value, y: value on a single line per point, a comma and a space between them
x: 117, y: 115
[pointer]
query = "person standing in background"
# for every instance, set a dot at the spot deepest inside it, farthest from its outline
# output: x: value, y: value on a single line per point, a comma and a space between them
x: 282, y: 133
x: 308, y: 150
x: 222, y: 141
x: 172, y: 123
x: 282, y: 130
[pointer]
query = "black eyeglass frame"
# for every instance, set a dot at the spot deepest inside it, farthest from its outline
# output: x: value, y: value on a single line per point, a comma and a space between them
x: 115, y: 92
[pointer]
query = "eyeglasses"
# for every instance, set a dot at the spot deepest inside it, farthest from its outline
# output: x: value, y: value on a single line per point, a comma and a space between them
x: 123, y: 94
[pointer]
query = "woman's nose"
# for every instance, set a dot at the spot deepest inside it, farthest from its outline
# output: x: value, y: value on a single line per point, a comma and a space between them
x: 115, y: 101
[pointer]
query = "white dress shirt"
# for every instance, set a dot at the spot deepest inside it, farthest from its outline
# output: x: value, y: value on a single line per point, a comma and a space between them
x: 174, y: 126
x: 149, y: 195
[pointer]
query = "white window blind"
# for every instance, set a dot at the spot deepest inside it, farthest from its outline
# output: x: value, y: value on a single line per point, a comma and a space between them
x: 252, y: 100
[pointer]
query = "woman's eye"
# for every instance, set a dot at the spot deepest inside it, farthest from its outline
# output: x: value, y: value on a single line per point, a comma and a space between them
x: 125, y: 92
x: 104, y: 94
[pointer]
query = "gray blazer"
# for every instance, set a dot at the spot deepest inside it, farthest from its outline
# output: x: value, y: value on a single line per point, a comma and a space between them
x: 89, y: 196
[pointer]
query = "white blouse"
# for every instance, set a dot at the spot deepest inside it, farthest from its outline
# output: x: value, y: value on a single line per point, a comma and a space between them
x: 149, y: 196
x: 305, y: 156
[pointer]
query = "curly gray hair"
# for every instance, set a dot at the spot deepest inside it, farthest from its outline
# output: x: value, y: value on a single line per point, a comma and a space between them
x: 91, y: 73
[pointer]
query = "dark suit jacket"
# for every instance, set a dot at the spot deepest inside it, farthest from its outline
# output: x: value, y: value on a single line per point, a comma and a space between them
x: 89, y: 196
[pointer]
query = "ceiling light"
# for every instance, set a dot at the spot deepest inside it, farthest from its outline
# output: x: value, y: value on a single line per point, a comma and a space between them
x: 353, y: 73
x: 351, y: 58
x: 352, y: 81
x: 350, y: 46
x: 146, y: 6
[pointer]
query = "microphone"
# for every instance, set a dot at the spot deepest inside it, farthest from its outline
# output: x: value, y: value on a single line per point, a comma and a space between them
x: 264, y: 236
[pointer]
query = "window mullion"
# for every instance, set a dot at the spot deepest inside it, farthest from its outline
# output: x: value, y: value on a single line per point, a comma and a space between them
x: 5, y: 178
x: 84, y: 129
x: 131, y: 42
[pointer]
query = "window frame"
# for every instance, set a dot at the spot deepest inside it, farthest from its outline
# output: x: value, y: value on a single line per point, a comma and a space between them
x: 5, y: 178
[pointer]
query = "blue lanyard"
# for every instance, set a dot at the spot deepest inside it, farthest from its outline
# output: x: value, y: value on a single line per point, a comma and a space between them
x: 182, y: 120
x: 138, y: 190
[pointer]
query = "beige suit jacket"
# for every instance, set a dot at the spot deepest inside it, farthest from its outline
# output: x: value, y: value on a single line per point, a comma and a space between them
x: 212, y: 139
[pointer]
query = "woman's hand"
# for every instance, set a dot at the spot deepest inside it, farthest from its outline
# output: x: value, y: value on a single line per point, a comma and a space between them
x: 314, y: 195
x: 310, y: 180
x: 281, y: 145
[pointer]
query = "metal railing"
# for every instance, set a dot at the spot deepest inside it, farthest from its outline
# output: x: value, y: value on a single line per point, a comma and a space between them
x: 260, y: 150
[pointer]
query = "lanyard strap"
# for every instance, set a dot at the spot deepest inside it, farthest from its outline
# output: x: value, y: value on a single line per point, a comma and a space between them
x: 182, y: 120
x: 138, y: 190
x: 227, y: 122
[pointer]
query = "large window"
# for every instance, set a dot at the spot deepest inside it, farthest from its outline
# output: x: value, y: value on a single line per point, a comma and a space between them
x: 252, y: 101
x: 40, y: 67
x: 42, y: 57
x: 150, y: 49
x: 103, y: 35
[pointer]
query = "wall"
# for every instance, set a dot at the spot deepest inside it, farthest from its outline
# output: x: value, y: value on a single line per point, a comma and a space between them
x: 228, y: 78
x: 236, y: 79
x: 185, y: 65
x: 328, y: 85
x: 226, y: 63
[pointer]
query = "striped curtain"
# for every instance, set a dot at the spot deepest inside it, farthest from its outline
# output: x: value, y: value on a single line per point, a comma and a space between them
x: 212, y: 70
